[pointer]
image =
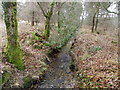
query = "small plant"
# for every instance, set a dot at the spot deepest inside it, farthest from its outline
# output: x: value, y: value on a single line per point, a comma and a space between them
x: 85, y: 81
x: 94, y: 49
x: 114, y: 42
x: 47, y: 44
x: 98, y: 32
x: 34, y: 36
x: 85, y: 56
x: 27, y: 81
x: 5, y: 78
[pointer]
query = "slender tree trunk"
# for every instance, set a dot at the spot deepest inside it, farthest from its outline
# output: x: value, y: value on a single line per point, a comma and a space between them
x: 33, y: 18
x: 58, y: 21
x: 47, y: 22
x: 119, y: 34
x: 47, y: 16
x: 13, y: 50
x: 95, y: 19
x: 47, y: 28
x: 96, y: 24
x: 82, y: 21
x: 119, y: 40
x: 93, y: 22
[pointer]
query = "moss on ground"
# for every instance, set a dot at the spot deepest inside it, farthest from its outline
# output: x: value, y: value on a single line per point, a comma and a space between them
x: 27, y: 81
x: 5, y: 78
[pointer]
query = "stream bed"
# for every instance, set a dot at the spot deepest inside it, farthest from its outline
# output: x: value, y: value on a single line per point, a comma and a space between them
x: 59, y: 75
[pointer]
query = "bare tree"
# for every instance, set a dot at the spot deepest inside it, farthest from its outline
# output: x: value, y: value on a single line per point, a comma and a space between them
x: 95, y: 18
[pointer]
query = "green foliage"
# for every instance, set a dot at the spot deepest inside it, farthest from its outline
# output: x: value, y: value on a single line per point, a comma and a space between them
x: 47, y: 44
x: 5, y: 78
x: 46, y: 33
x: 69, y: 23
x: 44, y: 66
x: 27, y: 81
x: 114, y: 42
x: 34, y: 36
x: 85, y: 56
x: 37, y: 41
x: 38, y: 46
x: 94, y: 49
x: 86, y: 82
x: 43, y: 69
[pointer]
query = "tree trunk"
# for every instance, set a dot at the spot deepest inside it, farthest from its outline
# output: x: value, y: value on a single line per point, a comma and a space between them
x: 47, y: 28
x: 47, y: 22
x: 13, y: 50
x: 93, y: 22
x: 96, y: 24
x: 32, y: 22
x: 119, y: 40
x: 58, y: 21
x: 95, y: 19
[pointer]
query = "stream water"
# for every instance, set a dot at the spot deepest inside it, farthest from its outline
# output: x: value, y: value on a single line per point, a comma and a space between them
x: 59, y: 75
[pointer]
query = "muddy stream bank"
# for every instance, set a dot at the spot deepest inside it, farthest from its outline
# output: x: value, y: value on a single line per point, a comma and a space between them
x: 59, y: 74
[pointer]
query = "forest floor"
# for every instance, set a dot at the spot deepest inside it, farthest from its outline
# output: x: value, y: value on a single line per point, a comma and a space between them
x: 33, y: 58
x: 95, y: 57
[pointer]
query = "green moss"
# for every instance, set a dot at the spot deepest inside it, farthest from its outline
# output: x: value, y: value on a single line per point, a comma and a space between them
x: 14, y: 56
x: 47, y: 22
x: 46, y: 33
x: 47, y: 44
x: 13, y: 50
x: 0, y: 81
x: 5, y: 77
x: 27, y: 81
x: 47, y: 27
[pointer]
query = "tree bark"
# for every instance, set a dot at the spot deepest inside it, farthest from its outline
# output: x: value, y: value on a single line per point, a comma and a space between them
x: 33, y: 19
x: 96, y: 24
x: 47, y: 28
x: 119, y: 40
x: 58, y: 12
x: 95, y: 19
x: 13, y: 49
x: 93, y: 22
x: 47, y: 16
x: 47, y: 22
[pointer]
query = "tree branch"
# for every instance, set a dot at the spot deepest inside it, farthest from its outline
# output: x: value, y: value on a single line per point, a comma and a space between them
x: 45, y: 14
x: 51, y: 7
x: 110, y: 11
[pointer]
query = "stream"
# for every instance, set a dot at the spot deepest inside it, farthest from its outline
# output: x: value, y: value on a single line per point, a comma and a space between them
x: 59, y: 75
